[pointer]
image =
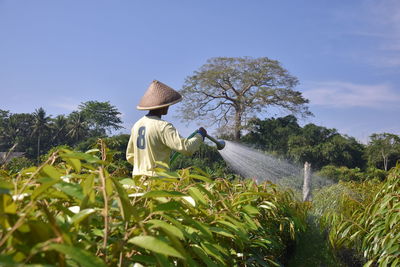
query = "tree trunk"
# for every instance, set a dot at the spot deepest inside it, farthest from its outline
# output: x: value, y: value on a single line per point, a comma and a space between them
x: 38, y: 149
x: 385, y: 161
x: 238, y: 124
x: 307, y: 182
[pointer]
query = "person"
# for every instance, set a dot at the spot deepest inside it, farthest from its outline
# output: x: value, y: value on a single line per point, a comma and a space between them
x: 153, y: 139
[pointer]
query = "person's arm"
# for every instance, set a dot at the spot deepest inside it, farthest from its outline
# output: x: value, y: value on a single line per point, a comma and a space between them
x: 130, y: 150
x: 185, y: 146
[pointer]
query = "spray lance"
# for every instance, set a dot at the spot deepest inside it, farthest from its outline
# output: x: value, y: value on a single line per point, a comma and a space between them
x: 220, y: 145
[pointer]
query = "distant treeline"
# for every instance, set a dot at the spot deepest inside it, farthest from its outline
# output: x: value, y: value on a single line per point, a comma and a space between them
x: 36, y: 133
x: 322, y: 146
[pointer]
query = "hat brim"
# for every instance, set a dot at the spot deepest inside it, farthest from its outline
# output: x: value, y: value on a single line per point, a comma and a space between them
x: 160, y: 106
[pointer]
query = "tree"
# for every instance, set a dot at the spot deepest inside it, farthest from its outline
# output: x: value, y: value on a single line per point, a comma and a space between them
x: 228, y: 91
x: 40, y: 125
x: 272, y: 134
x: 102, y: 117
x: 18, y: 131
x: 59, y: 128
x: 77, y: 126
x: 383, y: 149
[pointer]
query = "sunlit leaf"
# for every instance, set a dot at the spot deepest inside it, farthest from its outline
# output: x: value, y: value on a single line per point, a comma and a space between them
x: 156, y: 245
x: 163, y: 193
x: 81, y: 215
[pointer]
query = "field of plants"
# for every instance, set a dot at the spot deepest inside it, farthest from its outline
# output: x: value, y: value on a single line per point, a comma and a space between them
x: 83, y: 209
x: 75, y: 210
x: 363, y: 220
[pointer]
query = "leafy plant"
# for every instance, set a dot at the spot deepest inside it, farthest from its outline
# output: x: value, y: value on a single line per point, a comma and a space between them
x: 74, y: 210
x: 365, y: 217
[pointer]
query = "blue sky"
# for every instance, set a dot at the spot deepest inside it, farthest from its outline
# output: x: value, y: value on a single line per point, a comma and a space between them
x: 346, y: 54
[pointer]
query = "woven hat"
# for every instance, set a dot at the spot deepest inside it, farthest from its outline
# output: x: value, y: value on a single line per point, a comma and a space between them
x: 159, y: 95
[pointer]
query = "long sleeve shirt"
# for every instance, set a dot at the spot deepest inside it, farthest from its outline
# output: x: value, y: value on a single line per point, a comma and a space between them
x: 152, y: 140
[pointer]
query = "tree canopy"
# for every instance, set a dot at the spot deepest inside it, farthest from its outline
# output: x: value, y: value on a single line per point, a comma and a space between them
x: 101, y: 116
x: 36, y: 133
x: 383, y: 150
x: 316, y: 144
x: 227, y: 91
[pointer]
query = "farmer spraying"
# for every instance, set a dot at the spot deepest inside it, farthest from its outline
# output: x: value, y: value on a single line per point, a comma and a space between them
x: 152, y: 139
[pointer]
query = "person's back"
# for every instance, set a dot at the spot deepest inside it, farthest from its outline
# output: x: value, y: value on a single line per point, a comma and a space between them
x: 152, y: 139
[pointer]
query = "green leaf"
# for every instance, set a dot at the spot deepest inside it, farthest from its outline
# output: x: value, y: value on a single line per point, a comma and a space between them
x: 123, y: 200
x: 7, y: 205
x: 171, y: 205
x: 203, y: 256
x: 80, y: 216
x: 82, y: 156
x: 88, y: 184
x: 173, y: 230
x: 197, y: 195
x: 50, y: 171
x: 73, y: 190
x: 251, y: 210
x: 46, y: 185
x: 75, y: 163
x: 109, y: 187
x: 81, y: 256
x: 6, y: 185
x: 163, y: 193
x: 155, y: 245
x: 200, y: 177
x: 211, y: 250
x: 221, y: 231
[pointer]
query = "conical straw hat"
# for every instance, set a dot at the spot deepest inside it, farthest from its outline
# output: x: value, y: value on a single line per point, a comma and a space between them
x: 159, y: 95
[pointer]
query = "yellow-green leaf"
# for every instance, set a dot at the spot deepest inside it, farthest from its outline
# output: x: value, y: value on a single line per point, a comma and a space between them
x: 155, y: 245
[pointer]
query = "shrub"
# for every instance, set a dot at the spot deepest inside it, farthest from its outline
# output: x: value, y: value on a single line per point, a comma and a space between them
x: 17, y: 164
x: 341, y: 173
x: 365, y: 216
x: 73, y: 210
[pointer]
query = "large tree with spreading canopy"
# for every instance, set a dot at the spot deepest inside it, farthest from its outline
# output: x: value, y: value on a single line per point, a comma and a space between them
x: 227, y: 91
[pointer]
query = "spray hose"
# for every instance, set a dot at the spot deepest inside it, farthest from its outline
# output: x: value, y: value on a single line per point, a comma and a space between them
x: 220, y: 145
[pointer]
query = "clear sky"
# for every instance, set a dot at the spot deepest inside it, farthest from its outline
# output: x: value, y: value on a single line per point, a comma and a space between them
x: 346, y: 54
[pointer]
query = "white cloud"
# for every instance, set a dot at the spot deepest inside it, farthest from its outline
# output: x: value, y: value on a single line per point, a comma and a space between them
x: 345, y: 94
x: 382, y: 19
x: 66, y: 103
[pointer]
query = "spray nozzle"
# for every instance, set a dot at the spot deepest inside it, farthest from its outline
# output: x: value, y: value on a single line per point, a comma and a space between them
x: 220, y: 143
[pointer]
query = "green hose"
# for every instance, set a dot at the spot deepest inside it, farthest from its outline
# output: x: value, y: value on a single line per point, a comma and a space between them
x: 176, y: 154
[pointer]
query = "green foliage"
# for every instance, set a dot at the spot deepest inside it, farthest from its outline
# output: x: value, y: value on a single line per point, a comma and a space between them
x: 346, y: 174
x: 341, y: 173
x: 272, y: 134
x: 206, y: 158
x: 101, y: 116
x: 364, y: 216
x: 36, y: 133
x: 317, y: 145
x: 75, y: 210
x: 383, y: 150
x: 17, y: 164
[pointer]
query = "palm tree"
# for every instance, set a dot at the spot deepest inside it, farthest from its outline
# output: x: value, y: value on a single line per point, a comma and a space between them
x: 77, y: 125
x: 40, y: 125
x: 59, y: 127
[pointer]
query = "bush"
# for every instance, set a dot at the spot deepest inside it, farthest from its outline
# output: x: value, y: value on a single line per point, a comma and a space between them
x: 364, y: 216
x: 17, y: 164
x: 73, y: 210
x: 341, y: 173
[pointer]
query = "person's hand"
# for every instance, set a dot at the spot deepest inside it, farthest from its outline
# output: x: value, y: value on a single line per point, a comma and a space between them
x: 202, y: 131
